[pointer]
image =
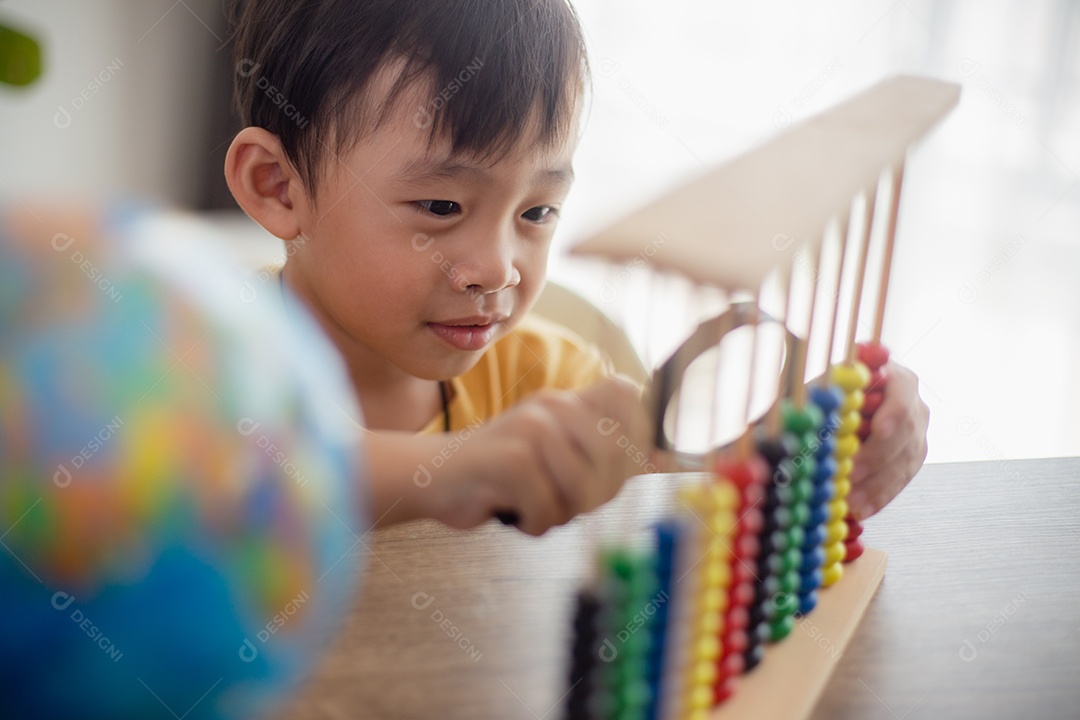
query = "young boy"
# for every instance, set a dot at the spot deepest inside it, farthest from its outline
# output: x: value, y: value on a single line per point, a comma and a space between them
x: 414, y: 155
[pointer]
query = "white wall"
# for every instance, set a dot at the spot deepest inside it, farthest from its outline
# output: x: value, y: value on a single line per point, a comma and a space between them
x: 129, y: 74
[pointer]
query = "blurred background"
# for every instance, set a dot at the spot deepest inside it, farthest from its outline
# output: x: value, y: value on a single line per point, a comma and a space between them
x: 985, y: 295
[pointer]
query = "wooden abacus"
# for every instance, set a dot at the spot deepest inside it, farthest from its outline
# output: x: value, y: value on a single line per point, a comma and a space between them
x: 666, y: 631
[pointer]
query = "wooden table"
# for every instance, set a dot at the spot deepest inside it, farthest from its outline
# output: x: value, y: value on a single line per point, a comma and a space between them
x: 978, y: 615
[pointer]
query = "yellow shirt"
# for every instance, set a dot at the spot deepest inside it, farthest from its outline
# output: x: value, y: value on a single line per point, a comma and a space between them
x: 536, y: 354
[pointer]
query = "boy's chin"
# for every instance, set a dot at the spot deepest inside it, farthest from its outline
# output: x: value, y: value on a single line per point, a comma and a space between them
x: 447, y: 368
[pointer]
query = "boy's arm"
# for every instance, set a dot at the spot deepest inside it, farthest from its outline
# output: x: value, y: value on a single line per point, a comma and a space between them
x: 548, y: 458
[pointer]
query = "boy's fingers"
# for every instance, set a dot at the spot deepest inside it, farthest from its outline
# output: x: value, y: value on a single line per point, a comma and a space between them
x: 896, y: 447
x: 538, y: 506
x: 618, y: 401
x: 583, y: 471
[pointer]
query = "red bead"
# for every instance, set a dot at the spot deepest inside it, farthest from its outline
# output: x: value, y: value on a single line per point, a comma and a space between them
x: 735, y: 642
x: 747, y: 547
x: 751, y: 521
x: 742, y: 594
x: 853, y: 549
x: 744, y: 571
x: 753, y: 496
x: 872, y: 354
x: 737, y: 618
x: 864, y: 428
x: 872, y: 401
x: 743, y: 473
x: 855, y: 527
x: 733, y: 665
x: 724, y: 690
x: 878, y: 378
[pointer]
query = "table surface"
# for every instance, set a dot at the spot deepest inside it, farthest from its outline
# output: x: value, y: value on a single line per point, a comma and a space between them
x: 977, y: 615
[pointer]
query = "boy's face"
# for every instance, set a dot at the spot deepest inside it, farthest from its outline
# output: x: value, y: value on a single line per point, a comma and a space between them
x: 420, y: 259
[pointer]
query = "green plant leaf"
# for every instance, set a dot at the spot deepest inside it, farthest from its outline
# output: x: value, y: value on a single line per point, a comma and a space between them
x: 20, y: 57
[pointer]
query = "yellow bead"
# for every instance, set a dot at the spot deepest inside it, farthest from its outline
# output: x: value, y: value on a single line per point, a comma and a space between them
x: 838, y: 509
x: 703, y: 673
x: 712, y: 599
x: 708, y: 623
x: 692, y: 497
x: 718, y: 552
x: 706, y: 649
x: 836, y: 532
x: 851, y: 377
x: 699, y: 698
x: 699, y: 714
x: 716, y: 575
x: 853, y: 401
x: 831, y: 574
x: 834, y: 553
x: 722, y: 523
x: 846, y: 446
x: 849, y: 423
x: 842, y: 487
x: 725, y: 495
x: 844, y: 466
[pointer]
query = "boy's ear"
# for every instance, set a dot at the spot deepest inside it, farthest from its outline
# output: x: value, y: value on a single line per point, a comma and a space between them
x: 264, y: 183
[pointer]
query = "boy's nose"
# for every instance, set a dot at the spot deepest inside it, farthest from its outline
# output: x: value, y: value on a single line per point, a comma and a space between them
x: 487, y: 267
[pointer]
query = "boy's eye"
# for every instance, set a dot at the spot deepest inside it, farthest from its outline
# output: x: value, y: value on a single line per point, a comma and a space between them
x: 442, y: 208
x: 539, y: 213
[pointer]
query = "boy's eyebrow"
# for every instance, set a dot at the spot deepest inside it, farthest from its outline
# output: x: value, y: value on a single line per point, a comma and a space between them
x: 423, y: 169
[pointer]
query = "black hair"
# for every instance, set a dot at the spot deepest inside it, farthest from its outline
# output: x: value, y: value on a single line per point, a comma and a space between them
x: 494, y: 69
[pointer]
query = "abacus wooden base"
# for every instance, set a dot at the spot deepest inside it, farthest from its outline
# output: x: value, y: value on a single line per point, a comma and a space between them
x: 789, y: 681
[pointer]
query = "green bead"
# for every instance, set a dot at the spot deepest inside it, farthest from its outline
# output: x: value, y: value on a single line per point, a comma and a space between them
x: 796, y: 536
x: 780, y: 540
x: 781, y: 628
x: 801, y: 420
x: 801, y: 513
x: 809, y: 445
x: 804, y: 467
x: 802, y: 491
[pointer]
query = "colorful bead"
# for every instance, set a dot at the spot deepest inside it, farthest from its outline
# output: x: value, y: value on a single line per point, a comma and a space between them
x: 853, y: 402
x: 830, y: 574
x: 850, y: 377
x: 872, y: 402
x: 800, y: 420
x: 853, y: 549
x: 872, y: 354
x: 834, y: 552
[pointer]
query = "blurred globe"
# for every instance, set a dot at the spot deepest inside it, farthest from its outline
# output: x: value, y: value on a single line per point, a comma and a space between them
x: 178, y: 478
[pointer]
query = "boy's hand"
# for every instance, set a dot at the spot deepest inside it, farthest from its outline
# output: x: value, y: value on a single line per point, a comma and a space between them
x: 896, y: 447
x: 547, y: 459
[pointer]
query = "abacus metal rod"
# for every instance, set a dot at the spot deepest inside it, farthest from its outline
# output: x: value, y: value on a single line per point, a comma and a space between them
x: 745, y: 445
x: 844, y: 226
x: 890, y: 241
x: 860, y: 275
x: 773, y: 418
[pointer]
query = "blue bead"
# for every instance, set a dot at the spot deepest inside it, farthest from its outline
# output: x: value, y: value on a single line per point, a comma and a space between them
x: 826, y: 443
x: 818, y: 515
x: 828, y: 398
x: 814, y: 535
x: 810, y: 581
x: 813, y: 558
x: 807, y: 603
x: 823, y: 493
x: 825, y: 470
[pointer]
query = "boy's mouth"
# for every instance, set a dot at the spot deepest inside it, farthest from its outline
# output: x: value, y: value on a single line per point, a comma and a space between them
x: 468, y: 334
